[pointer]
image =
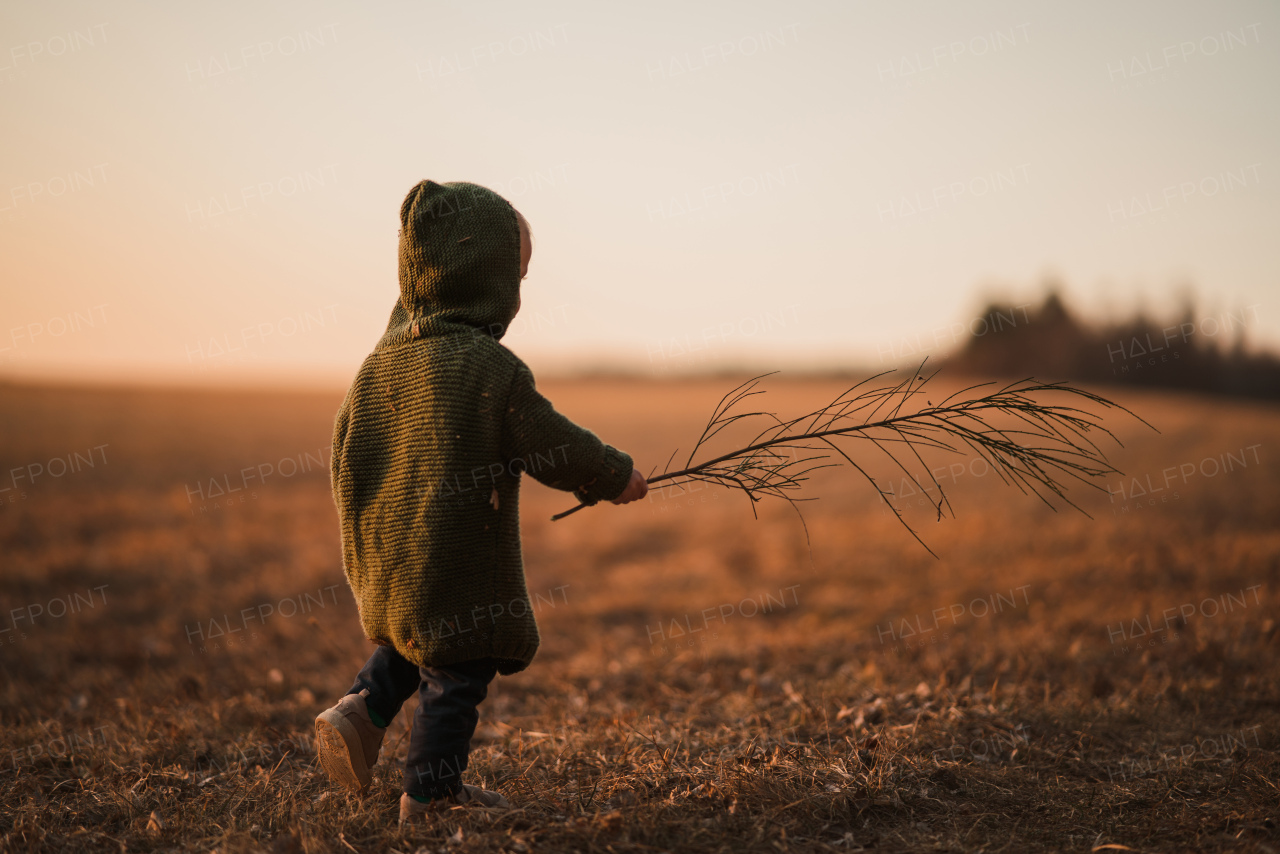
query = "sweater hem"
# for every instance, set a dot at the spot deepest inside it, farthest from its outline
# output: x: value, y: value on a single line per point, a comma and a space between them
x: 515, y: 656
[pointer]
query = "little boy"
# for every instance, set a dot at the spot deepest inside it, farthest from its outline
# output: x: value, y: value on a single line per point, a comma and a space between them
x: 428, y: 449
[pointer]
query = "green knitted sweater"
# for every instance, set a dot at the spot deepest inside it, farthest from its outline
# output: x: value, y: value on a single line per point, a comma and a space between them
x: 434, y: 434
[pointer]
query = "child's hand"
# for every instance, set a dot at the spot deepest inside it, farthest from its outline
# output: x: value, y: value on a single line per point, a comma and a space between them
x: 637, y: 488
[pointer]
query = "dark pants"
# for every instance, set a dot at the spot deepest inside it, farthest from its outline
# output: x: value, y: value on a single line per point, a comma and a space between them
x: 446, y: 718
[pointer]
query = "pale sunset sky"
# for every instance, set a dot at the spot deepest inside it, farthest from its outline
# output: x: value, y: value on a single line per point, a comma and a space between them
x: 210, y: 195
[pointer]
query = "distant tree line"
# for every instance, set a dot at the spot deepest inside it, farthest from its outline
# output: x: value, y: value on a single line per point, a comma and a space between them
x: 1197, y: 351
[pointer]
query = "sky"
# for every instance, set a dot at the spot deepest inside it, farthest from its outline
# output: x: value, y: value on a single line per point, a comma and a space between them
x: 210, y: 195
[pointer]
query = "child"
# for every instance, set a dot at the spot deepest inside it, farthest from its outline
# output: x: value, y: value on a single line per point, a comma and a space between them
x: 428, y: 449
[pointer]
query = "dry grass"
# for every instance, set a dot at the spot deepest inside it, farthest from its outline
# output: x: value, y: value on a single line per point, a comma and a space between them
x: 814, y: 727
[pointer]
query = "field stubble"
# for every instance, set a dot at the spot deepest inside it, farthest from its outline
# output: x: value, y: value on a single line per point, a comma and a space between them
x: 706, y: 681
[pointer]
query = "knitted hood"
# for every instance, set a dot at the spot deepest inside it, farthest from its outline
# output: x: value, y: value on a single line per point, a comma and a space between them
x: 459, y: 263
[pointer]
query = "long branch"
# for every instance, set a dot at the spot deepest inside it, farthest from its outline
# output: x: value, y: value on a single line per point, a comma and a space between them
x: 769, y: 473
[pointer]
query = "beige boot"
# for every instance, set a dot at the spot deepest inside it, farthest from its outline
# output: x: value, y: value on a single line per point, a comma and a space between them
x: 347, y: 742
x: 467, y: 796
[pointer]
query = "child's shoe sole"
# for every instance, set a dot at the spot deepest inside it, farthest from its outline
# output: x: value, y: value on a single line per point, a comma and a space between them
x: 340, y: 753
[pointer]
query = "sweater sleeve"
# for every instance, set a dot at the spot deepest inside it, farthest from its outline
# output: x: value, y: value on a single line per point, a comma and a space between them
x: 557, y: 452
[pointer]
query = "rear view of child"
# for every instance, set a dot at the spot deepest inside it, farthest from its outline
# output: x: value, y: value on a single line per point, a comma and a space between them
x: 428, y: 451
